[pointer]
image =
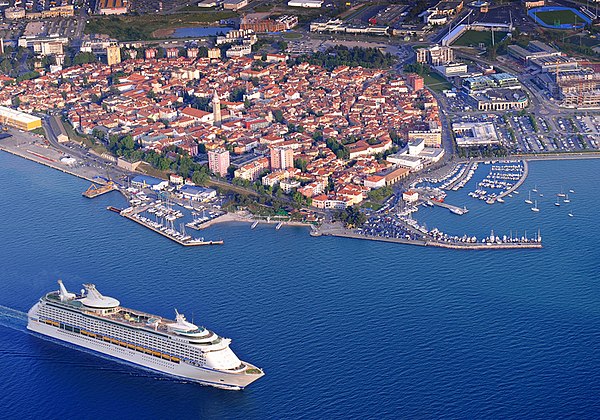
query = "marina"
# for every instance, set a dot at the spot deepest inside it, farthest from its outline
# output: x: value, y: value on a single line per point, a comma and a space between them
x: 167, y: 231
x: 503, y: 179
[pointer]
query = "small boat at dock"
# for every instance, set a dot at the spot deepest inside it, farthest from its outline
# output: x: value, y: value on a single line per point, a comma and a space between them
x: 254, y: 225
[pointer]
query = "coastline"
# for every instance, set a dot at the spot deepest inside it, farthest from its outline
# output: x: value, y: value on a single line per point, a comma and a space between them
x: 240, y: 218
x: 34, y: 158
x: 49, y: 157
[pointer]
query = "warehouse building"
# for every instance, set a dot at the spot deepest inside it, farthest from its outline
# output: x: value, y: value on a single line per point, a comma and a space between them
x: 18, y: 119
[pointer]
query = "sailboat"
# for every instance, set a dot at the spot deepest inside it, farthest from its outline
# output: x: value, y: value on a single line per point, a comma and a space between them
x: 567, y: 199
x: 535, y: 207
x: 557, y: 204
x: 535, y: 189
x: 561, y: 193
x: 570, y: 214
x: 528, y: 201
x: 572, y: 191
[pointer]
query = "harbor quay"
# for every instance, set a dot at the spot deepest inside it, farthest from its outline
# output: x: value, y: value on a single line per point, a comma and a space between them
x: 347, y: 233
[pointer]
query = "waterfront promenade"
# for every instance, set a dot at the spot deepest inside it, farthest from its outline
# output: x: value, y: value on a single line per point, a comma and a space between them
x: 33, y: 148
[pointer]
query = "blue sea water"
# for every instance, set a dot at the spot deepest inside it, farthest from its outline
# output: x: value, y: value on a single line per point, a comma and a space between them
x: 343, y: 328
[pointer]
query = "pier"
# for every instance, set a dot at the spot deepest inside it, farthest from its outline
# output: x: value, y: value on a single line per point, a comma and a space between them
x: 344, y: 233
x: 519, y: 182
x: 454, y: 209
x: 172, y: 234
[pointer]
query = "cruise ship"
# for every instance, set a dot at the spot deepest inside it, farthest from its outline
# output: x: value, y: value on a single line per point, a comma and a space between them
x: 175, y: 347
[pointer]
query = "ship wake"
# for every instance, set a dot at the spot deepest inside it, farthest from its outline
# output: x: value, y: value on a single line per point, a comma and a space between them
x: 12, y: 318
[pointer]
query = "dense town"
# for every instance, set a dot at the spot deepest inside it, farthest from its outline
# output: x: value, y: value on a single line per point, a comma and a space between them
x: 284, y: 106
x: 322, y: 133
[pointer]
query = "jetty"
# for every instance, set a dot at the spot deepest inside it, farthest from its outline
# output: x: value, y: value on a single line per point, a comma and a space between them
x: 432, y: 242
x: 519, y: 182
x: 170, y: 233
x: 454, y: 209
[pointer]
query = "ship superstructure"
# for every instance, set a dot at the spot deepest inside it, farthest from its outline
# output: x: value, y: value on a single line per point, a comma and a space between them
x: 176, y: 347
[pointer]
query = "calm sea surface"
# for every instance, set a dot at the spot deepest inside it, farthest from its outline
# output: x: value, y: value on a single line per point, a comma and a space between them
x: 343, y: 328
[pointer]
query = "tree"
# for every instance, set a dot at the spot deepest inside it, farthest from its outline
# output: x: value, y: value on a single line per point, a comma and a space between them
x: 84, y: 58
x: 237, y: 94
x: 278, y: 115
x: 199, y: 177
x: 300, y: 164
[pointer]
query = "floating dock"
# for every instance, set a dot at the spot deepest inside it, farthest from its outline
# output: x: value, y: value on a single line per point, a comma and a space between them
x: 454, y: 209
x: 94, y: 191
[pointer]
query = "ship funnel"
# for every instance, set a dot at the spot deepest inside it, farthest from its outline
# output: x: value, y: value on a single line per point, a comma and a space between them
x: 63, y: 293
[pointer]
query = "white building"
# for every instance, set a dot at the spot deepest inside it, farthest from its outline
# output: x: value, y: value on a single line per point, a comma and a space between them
x: 475, y: 134
x: 191, y: 192
x: 288, y: 185
x: 305, y: 3
x: 413, y: 163
x: 238, y: 51
x: 452, y: 70
x: 410, y: 196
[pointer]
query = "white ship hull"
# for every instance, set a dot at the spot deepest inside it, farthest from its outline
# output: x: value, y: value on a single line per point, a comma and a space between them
x: 205, y: 376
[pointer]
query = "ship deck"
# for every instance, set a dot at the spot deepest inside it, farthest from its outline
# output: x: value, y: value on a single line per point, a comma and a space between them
x: 124, y: 316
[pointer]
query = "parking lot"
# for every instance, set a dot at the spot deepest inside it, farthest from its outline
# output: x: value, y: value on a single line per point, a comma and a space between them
x: 527, y: 133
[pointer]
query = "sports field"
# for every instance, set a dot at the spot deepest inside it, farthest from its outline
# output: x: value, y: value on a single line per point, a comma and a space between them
x: 474, y: 38
x: 559, y: 17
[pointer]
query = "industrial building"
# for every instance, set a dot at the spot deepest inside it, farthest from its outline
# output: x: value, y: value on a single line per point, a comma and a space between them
x: 14, y: 13
x: 145, y: 181
x: 18, y: 119
x: 234, y: 4
x: 553, y: 64
x: 535, y: 49
x: 112, y: 7
x: 306, y: 3
x: 340, y: 26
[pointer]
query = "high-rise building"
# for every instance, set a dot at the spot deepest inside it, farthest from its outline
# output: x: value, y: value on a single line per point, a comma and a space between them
x: 150, y: 53
x: 218, y: 161
x: 415, y: 82
x: 192, y: 52
x: 216, y: 104
x: 214, y: 53
x: 113, y: 55
x: 282, y: 158
x: 172, y: 52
